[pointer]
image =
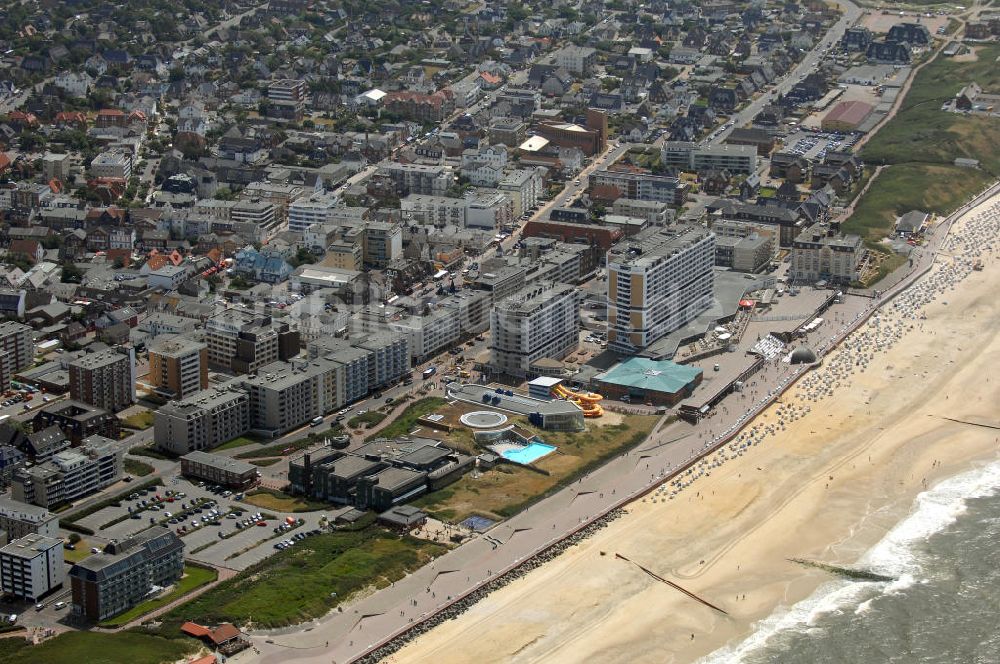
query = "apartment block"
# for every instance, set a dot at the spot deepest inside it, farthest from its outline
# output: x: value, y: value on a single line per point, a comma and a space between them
x: 641, y: 186
x: 113, y: 164
x: 576, y: 59
x: 17, y: 349
x: 285, y: 395
x: 288, y: 90
x: 745, y: 254
x: 383, y: 243
x: 242, y: 342
x: 417, y: 178
x: 693, y: 157
x: 523, y: 187
x: 32, y: 567
x: 18, y: 519
x: 308, y: 210
x: 254, y: 218
x: 56, y: 166
x: 77, y: 420
x: 386, y: 359
x: 658, y: 280
x: 71, y: 474
x: 105, y: 379
x: 501, y: 282
x: 429, y: 334
x: 178, y: 367
x: 656, y: 213
x: 821, y: 253
x: 218, y: 469
x: 124, y: 574
x: 539, y: 322
x: 484, y: 210
x: 203, y: 420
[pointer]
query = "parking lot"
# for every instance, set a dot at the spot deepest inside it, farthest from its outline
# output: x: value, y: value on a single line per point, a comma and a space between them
x: 216, y: 528
x: 814, y: 145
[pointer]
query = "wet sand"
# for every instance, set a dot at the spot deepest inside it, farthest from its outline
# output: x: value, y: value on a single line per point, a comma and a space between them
x: 826, y: 488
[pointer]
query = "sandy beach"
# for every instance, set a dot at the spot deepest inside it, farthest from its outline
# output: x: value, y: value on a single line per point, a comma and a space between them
x: 825, y: 487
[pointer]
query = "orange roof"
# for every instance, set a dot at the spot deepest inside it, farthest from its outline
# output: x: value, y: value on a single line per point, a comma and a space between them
x: 156, y: 262
x: 4, y: 161
x: 110, y: 111
x: 225, y: 632
x: 55, y: 186
x: 489, y: 78
x: 196, y: 630
x: 207, y: 659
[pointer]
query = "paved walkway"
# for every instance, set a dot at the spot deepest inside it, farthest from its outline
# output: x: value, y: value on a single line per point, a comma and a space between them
x: 373, y: 620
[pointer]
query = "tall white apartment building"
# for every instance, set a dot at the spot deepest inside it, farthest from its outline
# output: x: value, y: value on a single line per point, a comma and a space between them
x: 204, y: 420
x: 32, y: 566
x: 308, y: 210
x: 113, y: 164
x: 17, y: 348
x: 658, y: 280
x: 523, y: 187
x: 538, y: 322
x: 71, y: 474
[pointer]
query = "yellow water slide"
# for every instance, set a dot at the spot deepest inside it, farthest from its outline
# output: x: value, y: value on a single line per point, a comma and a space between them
x: 587, y: 401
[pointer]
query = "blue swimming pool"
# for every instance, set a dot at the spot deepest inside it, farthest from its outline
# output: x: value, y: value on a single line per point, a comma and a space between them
x: 529, y: 453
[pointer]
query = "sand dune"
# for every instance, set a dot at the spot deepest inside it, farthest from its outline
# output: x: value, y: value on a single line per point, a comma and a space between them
x: 825, y: 488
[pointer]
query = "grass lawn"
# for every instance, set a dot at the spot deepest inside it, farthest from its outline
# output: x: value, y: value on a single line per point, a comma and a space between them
x: 140, y: 421
x: 920, y: 144
x: 95, y: 648
x: 240, y: 441
x: 368, y: 420
x: 137, y: 468
x: 151, y: 452
x: 904, y: 187
x: 194, y: 577
x: 278, y: 449
x: 922, y: 132
x: 265, y: 462
x: 508, y: 489
x: 81, y: 551
x: 282, y: 502
x: 407, y: 420
x: 297, y: 584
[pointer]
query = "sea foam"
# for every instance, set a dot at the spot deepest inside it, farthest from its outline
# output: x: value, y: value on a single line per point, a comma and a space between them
x: 894, y: 555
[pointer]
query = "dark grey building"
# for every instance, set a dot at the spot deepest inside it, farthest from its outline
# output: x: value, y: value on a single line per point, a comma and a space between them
x: 120, y: 577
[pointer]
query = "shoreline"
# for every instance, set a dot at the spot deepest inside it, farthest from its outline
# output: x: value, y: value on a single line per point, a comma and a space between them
x: 904, y: 443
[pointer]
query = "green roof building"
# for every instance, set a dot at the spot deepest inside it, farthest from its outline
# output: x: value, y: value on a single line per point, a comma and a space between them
x: 659, y: 382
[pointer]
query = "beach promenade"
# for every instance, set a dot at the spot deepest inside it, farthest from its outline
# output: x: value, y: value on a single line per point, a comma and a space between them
x: 366, y: 623
x: 821, y: 475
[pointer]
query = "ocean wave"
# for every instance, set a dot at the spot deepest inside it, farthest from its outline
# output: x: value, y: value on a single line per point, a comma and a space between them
x: 895, y: 555
x: 934, y: 510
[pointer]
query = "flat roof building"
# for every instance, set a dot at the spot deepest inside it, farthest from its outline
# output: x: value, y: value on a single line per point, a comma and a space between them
x: 178, y: 366
x: 70, y: 474
x: 537, y: 322
x: 17, y: 349
x: 657, y: 281
x: 204, y: 420
x: 555, y: 415
x: 105, y: 379
x: 219, y: 469
x: 32, y: 566
x: 18, y: 519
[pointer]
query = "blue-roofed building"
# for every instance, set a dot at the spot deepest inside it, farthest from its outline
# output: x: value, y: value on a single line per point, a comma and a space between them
x: 267, y: 266
x: 659, y: 382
